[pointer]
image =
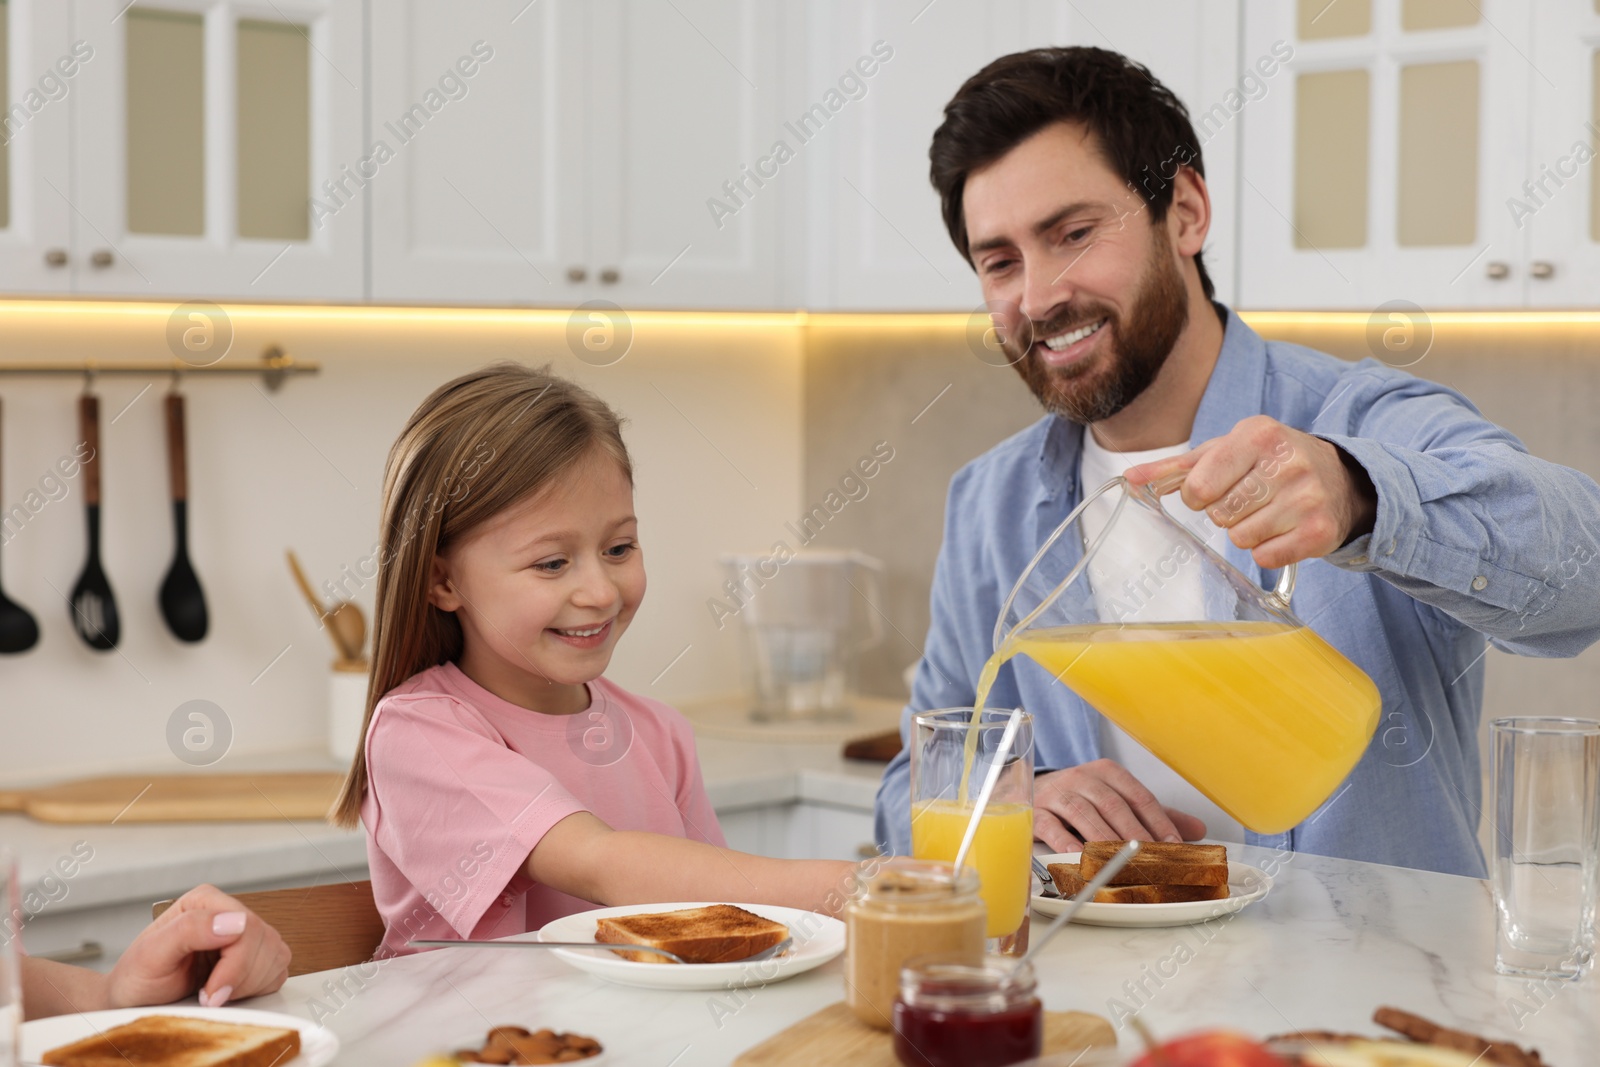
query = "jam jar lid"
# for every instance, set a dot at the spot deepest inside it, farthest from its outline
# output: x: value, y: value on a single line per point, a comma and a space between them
x: 900, y: 881
x: 954, y: 984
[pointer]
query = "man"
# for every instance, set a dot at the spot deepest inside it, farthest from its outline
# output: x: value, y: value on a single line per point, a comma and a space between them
x: 168, y: 961
x: 1073, y: 183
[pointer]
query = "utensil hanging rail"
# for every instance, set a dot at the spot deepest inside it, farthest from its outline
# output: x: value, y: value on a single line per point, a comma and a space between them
x: 274, y: 366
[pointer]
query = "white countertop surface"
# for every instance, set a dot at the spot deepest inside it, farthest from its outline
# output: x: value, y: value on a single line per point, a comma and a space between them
x: 1334, y: 940
x: 152, y: 861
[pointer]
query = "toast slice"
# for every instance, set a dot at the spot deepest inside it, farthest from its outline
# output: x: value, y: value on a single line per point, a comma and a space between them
x: 1069, y: 883
x: 719, y: 933
x: 180, y: 1041
x: 1160, y: 863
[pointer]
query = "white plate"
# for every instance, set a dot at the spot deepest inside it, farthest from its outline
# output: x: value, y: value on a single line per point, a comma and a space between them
x: 817, y: 939
x: 1246, y: 885
x: 317, y: 1043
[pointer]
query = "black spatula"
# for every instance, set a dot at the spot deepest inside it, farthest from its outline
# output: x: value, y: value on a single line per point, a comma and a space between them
x: 18, y: 629
x: 183, y: 604
x: 94, y: 609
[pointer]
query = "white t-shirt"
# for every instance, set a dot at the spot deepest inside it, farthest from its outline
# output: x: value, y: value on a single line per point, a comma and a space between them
x: 1097, y: 466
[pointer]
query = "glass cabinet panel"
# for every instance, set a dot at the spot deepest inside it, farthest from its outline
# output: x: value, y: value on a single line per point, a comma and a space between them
x: 1594, y: 146
x: 1321, y: 19
x: 1438, y: 202
x: 5, y: 109
x: 1330, y: 159
x: 1438, y: 14
x: 165, y: 122
x: 274, y: 130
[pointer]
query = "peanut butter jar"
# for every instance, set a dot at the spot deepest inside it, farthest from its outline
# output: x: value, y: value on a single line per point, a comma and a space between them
x: 901, y: 908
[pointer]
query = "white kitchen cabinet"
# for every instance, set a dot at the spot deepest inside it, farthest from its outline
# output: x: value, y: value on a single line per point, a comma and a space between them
x: 878, y: 240
x: 1378, y: 165
x: 1192, y: 47
x: 829, y: 832
x: 581, y: 162
x: 685, y: 107
x: 94, y: 937
x: 481, y: 197
x: 1560, y: 205
x: 35, y: 208
x: 805, y: 829
x: 204, y: 131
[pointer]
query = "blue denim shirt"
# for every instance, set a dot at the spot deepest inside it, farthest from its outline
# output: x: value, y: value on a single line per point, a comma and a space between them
x: 1474, y: 539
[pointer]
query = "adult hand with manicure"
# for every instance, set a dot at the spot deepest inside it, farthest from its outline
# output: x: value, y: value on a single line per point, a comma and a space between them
x: 172, y: 956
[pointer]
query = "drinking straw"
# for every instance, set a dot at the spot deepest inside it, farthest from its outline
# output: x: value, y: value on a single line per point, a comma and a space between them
x: 988, y: 785
x: 1086, y: 894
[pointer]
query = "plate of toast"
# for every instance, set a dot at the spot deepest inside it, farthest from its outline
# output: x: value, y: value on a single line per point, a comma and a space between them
x: 715, y: 940
x: 1166, y: 884
x: 179, y: 1036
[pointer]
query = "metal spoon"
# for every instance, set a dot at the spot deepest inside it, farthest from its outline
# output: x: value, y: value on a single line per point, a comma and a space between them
x: 1044, y: 875
x: 183, y: 603
x: 19, y: 631
x: 94, y: 609
x: 1086, y: 894
x: 776, y: 950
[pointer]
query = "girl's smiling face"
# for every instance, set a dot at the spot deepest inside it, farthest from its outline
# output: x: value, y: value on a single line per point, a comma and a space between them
x: 545, y: 588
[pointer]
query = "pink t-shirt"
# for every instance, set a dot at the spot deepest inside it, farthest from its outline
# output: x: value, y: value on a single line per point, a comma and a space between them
x: 462, y: 784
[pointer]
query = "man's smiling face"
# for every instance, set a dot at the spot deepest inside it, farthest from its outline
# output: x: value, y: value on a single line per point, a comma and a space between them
x: 1085, y: 286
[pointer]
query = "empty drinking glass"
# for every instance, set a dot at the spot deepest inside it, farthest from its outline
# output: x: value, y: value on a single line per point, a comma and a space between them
x: 1546, y: 788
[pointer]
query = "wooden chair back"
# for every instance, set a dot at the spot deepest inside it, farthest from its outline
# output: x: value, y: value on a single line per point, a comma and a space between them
x: 325, y: 926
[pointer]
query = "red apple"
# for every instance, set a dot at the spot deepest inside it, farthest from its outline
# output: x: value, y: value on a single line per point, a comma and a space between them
x: 1210, y: 1048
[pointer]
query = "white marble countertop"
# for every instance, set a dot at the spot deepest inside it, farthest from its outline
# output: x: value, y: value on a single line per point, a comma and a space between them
x: 1334, y: 940
x: 150, y: 861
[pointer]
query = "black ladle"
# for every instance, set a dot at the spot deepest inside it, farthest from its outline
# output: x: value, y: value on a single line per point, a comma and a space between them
x: 94, y: 609
x: 183, y: 604
x: 18, y: 630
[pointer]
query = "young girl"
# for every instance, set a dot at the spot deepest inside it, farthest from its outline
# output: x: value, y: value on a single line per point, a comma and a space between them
x: 502, y: 780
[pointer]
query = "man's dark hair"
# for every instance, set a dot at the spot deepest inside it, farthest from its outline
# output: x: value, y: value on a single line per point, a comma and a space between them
x: 1141, y: 128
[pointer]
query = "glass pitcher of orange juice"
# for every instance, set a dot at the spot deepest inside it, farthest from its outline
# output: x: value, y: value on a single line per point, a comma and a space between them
x: 1142, y: 619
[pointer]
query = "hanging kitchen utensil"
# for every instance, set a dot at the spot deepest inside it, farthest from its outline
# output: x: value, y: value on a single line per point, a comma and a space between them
x: 18, y: 629
x: 94, y: 609
x: 183, y: 603
x: 346, y: 626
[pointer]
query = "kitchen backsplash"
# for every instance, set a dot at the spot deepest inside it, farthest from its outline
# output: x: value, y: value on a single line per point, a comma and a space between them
x: 746, y: 431
x: 928, y: 393
x: 713, y: 421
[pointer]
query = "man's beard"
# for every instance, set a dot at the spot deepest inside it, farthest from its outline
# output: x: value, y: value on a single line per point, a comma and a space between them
x: 1129, y: 358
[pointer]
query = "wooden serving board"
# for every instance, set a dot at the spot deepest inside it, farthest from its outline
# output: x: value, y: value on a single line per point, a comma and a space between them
x: 834, y: 1035
x: 179, y: 798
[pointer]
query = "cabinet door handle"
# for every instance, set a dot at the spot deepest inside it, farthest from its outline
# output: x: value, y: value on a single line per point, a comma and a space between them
x: 101, y: 258
x: 84, y: 953
x: 576, y: 274
x: 55, y: 257
x: 1498, y: 270
x: 1541, y: 268
x: 611, y: 276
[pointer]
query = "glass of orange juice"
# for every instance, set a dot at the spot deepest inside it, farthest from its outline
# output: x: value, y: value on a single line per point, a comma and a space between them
x: 951, y: 753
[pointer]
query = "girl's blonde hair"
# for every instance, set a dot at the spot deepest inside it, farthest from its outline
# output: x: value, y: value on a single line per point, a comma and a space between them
x: 475, y: 447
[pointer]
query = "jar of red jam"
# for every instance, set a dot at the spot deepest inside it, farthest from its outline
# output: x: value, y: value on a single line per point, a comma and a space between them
x: 952, y: 1013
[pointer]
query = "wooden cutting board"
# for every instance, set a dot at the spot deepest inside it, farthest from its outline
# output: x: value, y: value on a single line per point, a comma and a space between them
x: 833, y: 1035
x: 179, y: 798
